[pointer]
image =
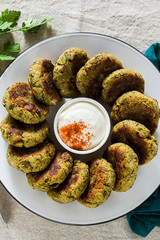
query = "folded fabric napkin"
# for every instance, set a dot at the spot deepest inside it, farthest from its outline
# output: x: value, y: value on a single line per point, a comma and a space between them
x: 145, y: 217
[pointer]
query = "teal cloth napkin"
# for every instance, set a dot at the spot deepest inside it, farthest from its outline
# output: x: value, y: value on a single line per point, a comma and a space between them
x: 145, y: 217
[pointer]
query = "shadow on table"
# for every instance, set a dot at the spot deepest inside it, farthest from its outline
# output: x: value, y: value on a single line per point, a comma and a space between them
x: 5, y: 204
x: 43, y: 33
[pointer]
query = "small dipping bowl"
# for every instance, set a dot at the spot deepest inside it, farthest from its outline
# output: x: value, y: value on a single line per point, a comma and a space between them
x: 103, y: 111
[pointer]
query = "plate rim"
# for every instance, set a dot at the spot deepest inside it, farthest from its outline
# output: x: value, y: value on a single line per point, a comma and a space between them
x: 74, y: 224
x: 10, y: 65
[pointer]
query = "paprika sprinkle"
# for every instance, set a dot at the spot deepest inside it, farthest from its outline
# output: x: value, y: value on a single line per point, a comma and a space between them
x: 76, y: 135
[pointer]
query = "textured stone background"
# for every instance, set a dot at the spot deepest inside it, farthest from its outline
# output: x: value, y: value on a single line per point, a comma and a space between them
x: 135, y: 22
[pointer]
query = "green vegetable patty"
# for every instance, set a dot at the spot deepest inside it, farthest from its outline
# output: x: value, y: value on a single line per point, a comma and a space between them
x: 20, y: 102
x: 53, y: 175
x: 65, y: 71
x: 119, y: 82
x: 32, y: 159
x: 41, y: 81
x: 138, y: 107
x: 19, y: 134
x: 90, y: 76
x: 138, y: 137
x: 74, y: 185
x: 125, y: 163
x: 101, y: 184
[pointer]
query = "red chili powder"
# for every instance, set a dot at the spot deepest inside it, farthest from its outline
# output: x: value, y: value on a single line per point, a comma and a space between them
x: 76, y: 135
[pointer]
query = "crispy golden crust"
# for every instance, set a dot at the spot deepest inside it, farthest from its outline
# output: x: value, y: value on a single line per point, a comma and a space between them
x: 101, y: 184
x: 53, y: 175
x: 32, y: 159
x: 74, y: 186
x: 138, y: 137
x: 22, y: 105
x: 90, y: 76
x: 19, y: 134
x: 65, y: 71
x: 119, y: 82
x: 41, y: 81
x: 125, y: 163
x: 136, y: 106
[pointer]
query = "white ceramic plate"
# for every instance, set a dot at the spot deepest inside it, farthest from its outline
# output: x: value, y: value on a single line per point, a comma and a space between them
x: 118, y: 204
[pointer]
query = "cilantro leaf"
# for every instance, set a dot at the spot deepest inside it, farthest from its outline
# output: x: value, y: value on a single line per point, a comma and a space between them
x: 33, y: 26
x: 4, y: 26
x: 10, y: 16
x: 9, y: 47
x: 8, y: 19
x: 6, y: 57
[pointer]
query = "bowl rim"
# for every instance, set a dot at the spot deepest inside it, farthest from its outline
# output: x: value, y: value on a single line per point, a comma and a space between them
x: 100, y: 107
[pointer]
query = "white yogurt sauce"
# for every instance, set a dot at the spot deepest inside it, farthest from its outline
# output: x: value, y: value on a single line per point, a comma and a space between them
x: 91, y: 116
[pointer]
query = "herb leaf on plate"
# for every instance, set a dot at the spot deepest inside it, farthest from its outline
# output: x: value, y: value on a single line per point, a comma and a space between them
x: 9, y: 47
x: 33, y: 25
x: 8, y: 19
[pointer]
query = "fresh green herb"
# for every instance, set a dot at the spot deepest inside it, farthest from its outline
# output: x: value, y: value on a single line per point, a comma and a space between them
x: 9, y: 47
x: 8, y: 19
x: 33, y: 26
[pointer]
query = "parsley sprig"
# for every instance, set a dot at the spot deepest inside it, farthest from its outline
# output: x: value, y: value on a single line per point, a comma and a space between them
x: 33, y: 26
x: 8, y: 20
x: 9, y: 47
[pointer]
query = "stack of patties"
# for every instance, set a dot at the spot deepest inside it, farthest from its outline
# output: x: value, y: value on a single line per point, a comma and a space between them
x: 135, y: 118
x: 74, y: 185
x: 25, y: 127
x: 90, y: 77
x: 51, y: 177
x: 64, y: 179
x: 26, y: 130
